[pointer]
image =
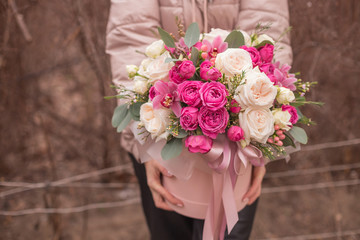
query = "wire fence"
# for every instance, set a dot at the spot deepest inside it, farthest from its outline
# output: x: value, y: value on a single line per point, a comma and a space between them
x: 319, y: 235
x: 19, y: 187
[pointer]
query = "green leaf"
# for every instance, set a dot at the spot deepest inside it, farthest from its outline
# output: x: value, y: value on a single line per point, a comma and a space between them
x: 263, y: 43
x: 288, y: 141
x: 299, y: 134
x: 172, y: 149
x: 182, y: 134
x: 135, y: 110
x: 119, y: 114
x: 168, y: 60
x: 166, y: 37
x: 194, y: 55
x: 192, y: 35
x: 299, y: 113
x: 124, y: 122
x: 235, y: 39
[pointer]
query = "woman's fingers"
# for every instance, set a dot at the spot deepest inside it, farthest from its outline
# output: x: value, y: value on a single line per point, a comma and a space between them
x: 158, y: 188
x: 254, y: 196
x: 159, y: 193
x: 249, y: 195
x: 159, y: 202
x: 255, y: 189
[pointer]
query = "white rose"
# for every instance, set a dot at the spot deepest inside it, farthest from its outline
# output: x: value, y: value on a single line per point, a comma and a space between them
x: 247, y: 38
x: 155, y: 49
x: 282, y: 118
x: 233, y: 61
x: 285, y: 96
x: 158, y: 69
x: 258, y: 91
x: 214, y: 33
x: 132, y: 70
x: 155, y: 120
x: 140, y: 85
x: 261, y: 38
x: 257, y: 123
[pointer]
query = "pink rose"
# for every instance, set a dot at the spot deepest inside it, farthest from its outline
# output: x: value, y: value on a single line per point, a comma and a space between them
x: 267, y: 68
x: 292, y: 110
x: 187, y: 69
x: 254, y: 54
x: 211, y: 74
x: 212, y: 122
x: 189, y: 118
x: 189, y: 93
x: 234, y: 106
x: 199, y: 143
x: 174, y: 74
x: 213, y: 95
x: 267, y: 53
x: 235, y: 133
x: 206, y: 64
x: 152, y: 93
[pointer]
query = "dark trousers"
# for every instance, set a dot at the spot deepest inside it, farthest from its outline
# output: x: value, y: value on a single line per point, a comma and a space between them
x: 167, y: 225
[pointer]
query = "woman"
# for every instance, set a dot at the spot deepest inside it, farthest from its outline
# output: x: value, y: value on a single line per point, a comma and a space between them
x: 131, y: 28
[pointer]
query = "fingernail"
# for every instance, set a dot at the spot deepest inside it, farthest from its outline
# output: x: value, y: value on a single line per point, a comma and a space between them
x: 169, y: 174
x: 246, y: 200
x: 179, y: 205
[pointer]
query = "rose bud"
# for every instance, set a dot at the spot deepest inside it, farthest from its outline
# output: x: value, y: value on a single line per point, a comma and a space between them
x: 235, y: 133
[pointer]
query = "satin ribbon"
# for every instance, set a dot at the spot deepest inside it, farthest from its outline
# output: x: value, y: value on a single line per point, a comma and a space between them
x: 225, y: 159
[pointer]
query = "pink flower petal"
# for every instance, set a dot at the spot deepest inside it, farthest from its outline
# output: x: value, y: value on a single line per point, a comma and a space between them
x: 176, y: 107
x: 161, y: 87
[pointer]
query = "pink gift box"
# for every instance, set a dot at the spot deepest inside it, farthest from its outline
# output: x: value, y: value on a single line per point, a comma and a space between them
x: 195, y: 192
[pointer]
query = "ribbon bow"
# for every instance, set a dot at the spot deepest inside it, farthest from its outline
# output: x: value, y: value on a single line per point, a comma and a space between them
x: 225, y: 159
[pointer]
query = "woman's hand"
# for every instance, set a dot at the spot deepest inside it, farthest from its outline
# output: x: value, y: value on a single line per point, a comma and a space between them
x: 255, y: 189
x: 153, y: 173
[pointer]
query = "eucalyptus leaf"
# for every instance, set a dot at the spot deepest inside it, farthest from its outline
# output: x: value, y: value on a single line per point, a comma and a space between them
x: 192, y: 35
x: 263, y: 43
x: 235, y: 39
x: 172, y: 149
x: 119, y: 114
x: 135, y: 110
x: 299, y: 113
x: 299, y: 134
x: 166, y: 37
x: 288, y: 141
x: 182, y: 134
x: 168, y: 60
x: 124, y: 122
x: 194, y: 55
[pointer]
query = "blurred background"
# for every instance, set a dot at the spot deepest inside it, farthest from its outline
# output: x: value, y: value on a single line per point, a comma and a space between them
x: 64, y: 176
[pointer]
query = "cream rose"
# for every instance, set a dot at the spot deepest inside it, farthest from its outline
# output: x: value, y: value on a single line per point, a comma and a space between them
x: 155, y: 120
x: 258, y: 91
x: 282, y: 118
x: 233, y: 61
x: 132, y: 70
x: 257, y: 123
x: 285, y: 95
x: 155, y: 49
x: 140, y: 85
x: 158, y: 69
x: 261, y: 38
x: 214, y: 33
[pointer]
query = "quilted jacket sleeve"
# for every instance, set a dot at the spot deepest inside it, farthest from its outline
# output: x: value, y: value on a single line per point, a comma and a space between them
x: 275, y: 12
x: 131, y: 27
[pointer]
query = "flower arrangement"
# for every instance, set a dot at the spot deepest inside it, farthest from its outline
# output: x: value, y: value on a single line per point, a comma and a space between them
x: 204, y: 85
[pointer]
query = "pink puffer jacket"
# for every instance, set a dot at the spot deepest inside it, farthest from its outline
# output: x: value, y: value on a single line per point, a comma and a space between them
x: 132, y: 24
